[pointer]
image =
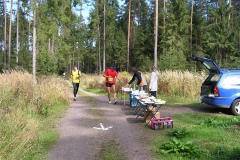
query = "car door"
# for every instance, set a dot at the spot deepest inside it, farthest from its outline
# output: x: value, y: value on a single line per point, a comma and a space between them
x: 230, y: 86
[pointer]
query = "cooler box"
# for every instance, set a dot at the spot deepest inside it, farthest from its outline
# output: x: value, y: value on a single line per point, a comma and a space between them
x: 162, y: 123
x: 133, y: 101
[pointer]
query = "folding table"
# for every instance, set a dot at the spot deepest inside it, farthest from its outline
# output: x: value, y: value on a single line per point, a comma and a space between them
x: 145, y: 107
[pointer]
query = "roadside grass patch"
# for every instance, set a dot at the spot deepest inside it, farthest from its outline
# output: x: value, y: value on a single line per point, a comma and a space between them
x: 47, y: 134
x: 28, y: 110
x: 96, y: 91
x: 199, y: 136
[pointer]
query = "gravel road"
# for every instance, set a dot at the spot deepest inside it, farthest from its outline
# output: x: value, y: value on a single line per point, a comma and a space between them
x: 79, y: 141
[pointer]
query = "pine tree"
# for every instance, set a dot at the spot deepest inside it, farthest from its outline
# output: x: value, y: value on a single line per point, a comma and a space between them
x: 218, y: 34
x: 176, y: 36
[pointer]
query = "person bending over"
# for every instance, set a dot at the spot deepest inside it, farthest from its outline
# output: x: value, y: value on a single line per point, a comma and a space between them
x: 139, y: 78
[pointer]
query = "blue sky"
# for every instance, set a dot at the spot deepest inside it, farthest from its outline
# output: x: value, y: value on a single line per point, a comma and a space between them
x: 86, y: 8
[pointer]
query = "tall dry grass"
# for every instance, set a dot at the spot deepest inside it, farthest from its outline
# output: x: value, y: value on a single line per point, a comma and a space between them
x: 181, y: 83
x: 21, y: 99
x: 170, y: 83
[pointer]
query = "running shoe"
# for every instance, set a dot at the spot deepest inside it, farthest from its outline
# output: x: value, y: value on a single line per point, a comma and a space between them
x: 74, y: 98
x: 109, y: 102
x: 115, y: 102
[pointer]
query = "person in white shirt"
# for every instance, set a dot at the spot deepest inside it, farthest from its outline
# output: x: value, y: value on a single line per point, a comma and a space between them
x: 153, y: 86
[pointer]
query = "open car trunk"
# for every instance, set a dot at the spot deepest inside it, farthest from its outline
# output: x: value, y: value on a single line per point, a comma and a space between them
x: 209, y: 84
x: 214, y: 75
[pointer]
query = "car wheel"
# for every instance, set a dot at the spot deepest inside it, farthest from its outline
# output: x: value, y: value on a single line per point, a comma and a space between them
x: 235, y: 108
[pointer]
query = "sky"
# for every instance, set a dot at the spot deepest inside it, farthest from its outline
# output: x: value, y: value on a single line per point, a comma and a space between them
x: 87, y: 9
x: 85, y: 12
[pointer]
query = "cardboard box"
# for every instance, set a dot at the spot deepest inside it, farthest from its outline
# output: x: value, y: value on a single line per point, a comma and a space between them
x: 151, y: 108
x: 150, y: 116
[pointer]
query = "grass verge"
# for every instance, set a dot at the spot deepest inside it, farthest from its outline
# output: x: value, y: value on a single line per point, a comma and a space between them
x: 28, y: 109
x: 199, y: 136
x: 47, y: 134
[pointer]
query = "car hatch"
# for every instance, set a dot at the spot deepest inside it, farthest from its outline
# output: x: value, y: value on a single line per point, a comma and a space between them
x: 208, y: 63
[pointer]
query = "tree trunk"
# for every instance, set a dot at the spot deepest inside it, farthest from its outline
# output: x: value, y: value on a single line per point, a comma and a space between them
x: 10, y: 37
x: 129, y: 34
x: 49, y: 45
x: 5, y: 36
x: 17, y: 31
x: 29, y: 31
x: 80, y: 25
x: 229, y: 16
x: 220, y: 57
x: 99, y: 50
x: 52, y: 47
x: 164, y: 16
x: 104, y: 35
x: 164, y: 24
x: 34, y: 43
x: 156, y: 33
x: 191, y: 30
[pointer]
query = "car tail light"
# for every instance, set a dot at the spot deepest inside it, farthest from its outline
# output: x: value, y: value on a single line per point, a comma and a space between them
x: 216, y: 92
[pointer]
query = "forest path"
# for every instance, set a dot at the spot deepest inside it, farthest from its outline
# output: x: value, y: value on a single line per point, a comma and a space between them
x: 78, y: 140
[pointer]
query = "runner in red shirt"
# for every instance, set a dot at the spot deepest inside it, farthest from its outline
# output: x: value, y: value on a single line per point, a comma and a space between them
x: 111, y: 75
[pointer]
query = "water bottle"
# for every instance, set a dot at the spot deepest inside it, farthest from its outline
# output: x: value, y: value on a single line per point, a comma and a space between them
x: 169, y: 124
x: 165, y: 124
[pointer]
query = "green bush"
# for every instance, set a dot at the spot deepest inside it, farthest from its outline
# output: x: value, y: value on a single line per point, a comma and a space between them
x: 179, y: 132
x: 175, y: 146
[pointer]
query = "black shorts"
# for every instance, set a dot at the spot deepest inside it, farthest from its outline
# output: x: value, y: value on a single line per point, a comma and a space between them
x: 109, y: 84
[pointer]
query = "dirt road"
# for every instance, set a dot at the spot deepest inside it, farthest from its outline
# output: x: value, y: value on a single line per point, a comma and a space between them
x: 128, y: 139
x: 80, y: 141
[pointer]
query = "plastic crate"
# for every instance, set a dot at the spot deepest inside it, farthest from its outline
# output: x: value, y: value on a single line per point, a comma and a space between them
x: 161, y: 123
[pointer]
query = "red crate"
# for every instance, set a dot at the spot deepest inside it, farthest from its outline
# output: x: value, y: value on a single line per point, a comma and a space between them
x: 161, y: 123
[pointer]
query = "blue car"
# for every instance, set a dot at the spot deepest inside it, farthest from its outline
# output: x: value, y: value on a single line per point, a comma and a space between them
x: 221, y: 88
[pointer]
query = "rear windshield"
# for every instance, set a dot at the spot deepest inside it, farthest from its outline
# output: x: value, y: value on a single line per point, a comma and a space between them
x: 212, y: 80
x: 232, y: 80
x: 211, y: 66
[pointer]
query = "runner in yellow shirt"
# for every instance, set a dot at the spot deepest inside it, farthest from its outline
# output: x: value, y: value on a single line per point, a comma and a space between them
x: 75, y: 74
